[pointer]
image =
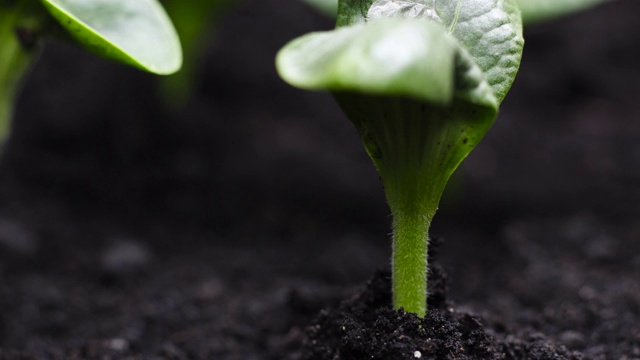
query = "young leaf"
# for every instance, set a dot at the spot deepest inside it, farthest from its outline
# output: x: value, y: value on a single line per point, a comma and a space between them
x: 421, y: 81
x: 137, y: 33
x: 371, y: 59
x: 539, y: 10
x: 490, y: 30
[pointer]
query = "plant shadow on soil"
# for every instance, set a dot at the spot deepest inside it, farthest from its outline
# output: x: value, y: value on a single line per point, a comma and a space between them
x: 246, y: 225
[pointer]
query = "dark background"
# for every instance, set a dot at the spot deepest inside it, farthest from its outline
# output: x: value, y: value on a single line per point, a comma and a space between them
x: 185, y: 231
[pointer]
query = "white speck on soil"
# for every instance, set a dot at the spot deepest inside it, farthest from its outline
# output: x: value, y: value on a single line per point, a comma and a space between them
x: 119, y: 345
x: 417, y: 354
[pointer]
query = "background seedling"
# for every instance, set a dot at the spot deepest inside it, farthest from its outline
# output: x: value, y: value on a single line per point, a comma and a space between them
x: 195, y: 22
x: 540, y: 10
x: 328, y: 7
x: 137, y: 33
x: 532, y: 10
x: 422, y: 82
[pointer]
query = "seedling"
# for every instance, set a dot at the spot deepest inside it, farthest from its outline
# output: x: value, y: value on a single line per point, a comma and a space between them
x: 327, y: 7
x: 421, y: 80
x: 540, y: 10
x: 195, y: 21
x: 137, y: 33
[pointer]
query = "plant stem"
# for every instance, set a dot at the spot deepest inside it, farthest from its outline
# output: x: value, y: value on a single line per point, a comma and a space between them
x: 15, y: 54
x: 409, y: 261
x: 413, y: 198
x: 415, y: 146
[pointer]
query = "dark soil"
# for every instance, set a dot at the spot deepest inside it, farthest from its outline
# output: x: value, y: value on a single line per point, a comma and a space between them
x: 246, y: 225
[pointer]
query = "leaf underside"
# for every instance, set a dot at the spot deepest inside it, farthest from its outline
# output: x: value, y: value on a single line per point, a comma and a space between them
x: 134, y: 32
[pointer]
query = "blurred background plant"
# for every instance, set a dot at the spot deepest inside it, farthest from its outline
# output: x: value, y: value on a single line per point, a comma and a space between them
x: 196, y: 22
x: 532, y: 10
x: 136, y: 33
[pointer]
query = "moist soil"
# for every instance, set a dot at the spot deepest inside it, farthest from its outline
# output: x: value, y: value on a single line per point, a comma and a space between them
x: 250, y: 223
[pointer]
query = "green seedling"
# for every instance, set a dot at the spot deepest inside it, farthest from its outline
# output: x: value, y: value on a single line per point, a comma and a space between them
x: 327, y: 7
x: 541, y: 10
x: 422, y: 82
x: 195, y: 21
x: 532, y: 10
x: 137, y: 33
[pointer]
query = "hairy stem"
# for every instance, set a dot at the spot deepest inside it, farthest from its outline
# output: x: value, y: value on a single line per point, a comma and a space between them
x: 409, y: 261
x: 413, y: 198
x: 415, y: 146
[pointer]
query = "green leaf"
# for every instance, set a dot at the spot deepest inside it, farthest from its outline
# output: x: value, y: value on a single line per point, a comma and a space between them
x: 383, y: 57
x: 134, y: 32
x: 540, y: 10
x: 490, y: 30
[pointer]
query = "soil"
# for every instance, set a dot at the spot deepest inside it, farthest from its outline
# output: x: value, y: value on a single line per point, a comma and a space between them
x: 250, y: 224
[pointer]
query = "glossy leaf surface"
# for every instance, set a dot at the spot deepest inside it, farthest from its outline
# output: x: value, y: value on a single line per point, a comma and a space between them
x: 135, y: 32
